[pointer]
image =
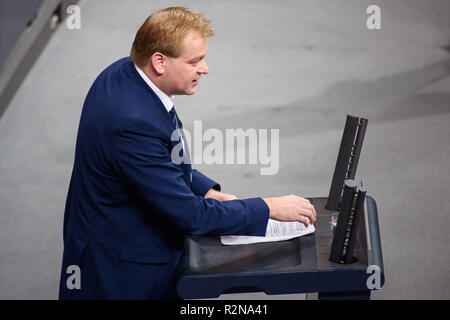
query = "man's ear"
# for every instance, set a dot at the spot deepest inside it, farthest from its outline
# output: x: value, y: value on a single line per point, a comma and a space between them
x: 158, y: 61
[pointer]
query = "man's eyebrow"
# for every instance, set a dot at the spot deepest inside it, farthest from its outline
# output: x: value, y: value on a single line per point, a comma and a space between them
x: 197, y: 58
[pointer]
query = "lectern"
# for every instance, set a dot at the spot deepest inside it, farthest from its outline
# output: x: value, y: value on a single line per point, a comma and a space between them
x: 337, y: 264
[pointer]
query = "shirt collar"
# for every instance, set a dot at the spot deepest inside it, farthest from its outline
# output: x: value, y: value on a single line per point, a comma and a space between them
x: 165, y: 99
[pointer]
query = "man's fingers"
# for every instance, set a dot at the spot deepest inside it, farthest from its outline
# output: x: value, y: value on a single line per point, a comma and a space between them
x: 291, y: 208
x: 305, y: 203
x: 309, y: 213
x: 313, y: 210
x: 304, y: 220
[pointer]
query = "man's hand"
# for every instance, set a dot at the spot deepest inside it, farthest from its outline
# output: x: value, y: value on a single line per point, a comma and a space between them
x: 291, y: 208
x: 219, y: 196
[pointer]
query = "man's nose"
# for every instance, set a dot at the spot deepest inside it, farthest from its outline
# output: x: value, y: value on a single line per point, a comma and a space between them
x: 203, y: 68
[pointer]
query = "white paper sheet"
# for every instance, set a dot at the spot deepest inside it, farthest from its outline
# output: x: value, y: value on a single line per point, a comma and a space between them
x: 276, y: 231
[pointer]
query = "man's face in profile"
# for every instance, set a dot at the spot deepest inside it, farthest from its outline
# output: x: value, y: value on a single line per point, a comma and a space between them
x: 184, y: 72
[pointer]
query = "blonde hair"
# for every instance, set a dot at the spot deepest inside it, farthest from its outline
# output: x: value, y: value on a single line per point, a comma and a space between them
x: 164, y: 31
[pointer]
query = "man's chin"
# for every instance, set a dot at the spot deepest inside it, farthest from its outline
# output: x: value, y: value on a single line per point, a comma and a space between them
x: 190, y: 92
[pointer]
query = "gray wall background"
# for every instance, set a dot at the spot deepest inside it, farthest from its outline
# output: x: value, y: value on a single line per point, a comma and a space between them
x: 299, y: 66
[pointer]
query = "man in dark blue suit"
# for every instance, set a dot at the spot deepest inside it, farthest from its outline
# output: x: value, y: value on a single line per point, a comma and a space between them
x: 130, y: 205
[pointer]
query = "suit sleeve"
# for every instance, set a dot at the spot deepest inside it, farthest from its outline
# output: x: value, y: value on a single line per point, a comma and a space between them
x: 201, y: 183
x: 142, y: 160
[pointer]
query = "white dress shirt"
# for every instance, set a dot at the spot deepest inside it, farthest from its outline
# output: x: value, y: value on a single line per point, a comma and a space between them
x: 165, y: 99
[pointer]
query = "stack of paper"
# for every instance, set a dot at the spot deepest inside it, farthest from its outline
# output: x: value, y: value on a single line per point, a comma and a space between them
x: 276, y: 231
